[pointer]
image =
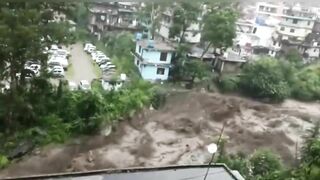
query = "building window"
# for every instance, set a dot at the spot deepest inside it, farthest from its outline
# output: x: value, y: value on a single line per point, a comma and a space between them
x: 282, y: 28
x: 309, y: 22
x: 163, y: 56
x: 160, y: 71
x: 254, y: 30
x: 261, y: 8
x: 138, y: 62
x: 139, y: 49
x: 292, y: 30
x: 295, y: 21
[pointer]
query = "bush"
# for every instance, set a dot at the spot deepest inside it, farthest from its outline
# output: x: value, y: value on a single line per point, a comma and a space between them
x: 264, y: 162
x: 159, y: 98
x: 229, y: 83
x: 265, y: 78
x: 307, y: 85
x: 3, y: 161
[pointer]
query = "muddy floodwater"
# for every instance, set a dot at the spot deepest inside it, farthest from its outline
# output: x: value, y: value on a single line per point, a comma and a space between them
x: 178, y: 134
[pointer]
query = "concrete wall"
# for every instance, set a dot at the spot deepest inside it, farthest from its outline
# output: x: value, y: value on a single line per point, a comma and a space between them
x: 298, y: 32
x: 154, y: 57
x: 150, y: 73
x: 313, y: 52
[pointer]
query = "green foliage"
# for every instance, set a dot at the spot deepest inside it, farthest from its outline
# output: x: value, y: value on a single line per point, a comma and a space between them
x: 159, y: 97
x: 294, y: 57
x: 184, y: 14
x: 264, y: 162
x: 265, y: 79
x: 307, y: 84
x: 3, y: 161
x: 119, y: 45
x: 229, y: 83
x: 237, y: 162
x: 195, y: 69
x: 219, y: 28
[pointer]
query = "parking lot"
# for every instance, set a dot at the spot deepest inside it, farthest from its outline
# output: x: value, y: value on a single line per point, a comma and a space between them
x: 82, y: 67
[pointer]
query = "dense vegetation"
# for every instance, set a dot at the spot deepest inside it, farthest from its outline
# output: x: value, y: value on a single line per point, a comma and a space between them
x: 265, y: 165
x: 36, y: 112
x: 275, y: 79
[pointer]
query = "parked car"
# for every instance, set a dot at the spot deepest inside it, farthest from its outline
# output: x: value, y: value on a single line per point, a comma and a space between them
x: 84, y: 85
x: 62, y: 53
x: 72, y: 86
x: 94, y: 53
x: 88, y: 46
x: 103, y: 61
x: 109, y: 67
x: 99, y: 56
x: 63, y: 61
x: 57, y: 72
x: 102, y: 66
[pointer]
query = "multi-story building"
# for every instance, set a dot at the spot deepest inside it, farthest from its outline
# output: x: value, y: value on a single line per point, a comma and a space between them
x: 153, y: 59
x: 296, y: 24
x: 310, y: 48
x: 192, y: 34
x: 107, y: 16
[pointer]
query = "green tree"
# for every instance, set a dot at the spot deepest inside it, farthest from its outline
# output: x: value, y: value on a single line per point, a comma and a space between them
x: 219, y: 29
x: 265, y: 78
x: 185, y: 13
x: 294, y: 57
x: 265, y: 162
x: 193, y: 69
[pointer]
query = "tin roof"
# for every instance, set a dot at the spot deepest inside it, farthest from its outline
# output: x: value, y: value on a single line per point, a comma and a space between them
x: 194, y: 172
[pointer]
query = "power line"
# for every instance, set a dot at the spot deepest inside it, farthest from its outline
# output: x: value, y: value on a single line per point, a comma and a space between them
x: 212, y: 158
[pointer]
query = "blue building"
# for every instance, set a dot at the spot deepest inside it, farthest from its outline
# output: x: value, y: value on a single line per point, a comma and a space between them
x: 153, y: 59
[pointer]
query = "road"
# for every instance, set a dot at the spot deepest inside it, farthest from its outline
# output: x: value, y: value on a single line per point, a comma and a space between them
x: 82, y: 67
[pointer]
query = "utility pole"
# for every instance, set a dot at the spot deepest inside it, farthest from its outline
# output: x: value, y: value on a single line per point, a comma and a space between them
x: 213, y: 155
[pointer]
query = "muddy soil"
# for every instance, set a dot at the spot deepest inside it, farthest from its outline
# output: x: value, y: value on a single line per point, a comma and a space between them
x: 178, y: 134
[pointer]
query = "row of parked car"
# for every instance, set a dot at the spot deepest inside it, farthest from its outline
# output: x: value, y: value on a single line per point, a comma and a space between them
x: 101, y: 59
x: 57, y: 61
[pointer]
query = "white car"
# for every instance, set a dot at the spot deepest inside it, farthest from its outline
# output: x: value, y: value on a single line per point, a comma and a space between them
x: 63, y: 61
x: 61, y: 53
x: 84, y: 85
x: 58, y: 72
x: 109, y: 67
x: 95, y: 54
x: 87, y: 46
x: 102, y: 66
x: 102, y: 56
x: 72, y: 86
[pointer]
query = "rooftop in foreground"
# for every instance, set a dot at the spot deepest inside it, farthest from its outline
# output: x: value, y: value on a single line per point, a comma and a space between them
x: 196, y: 172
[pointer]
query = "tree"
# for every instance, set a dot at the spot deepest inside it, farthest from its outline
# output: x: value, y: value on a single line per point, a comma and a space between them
x: 219, y: 29
x: 185, y: 13
x: 150, y: 15
x: 294, y: 57
x: 264, y: 162
x: 25, y: 31
x: 193, y: 69
x: 265, y: 78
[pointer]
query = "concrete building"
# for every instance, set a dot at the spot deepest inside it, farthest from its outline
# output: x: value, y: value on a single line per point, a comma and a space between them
x: 192, y: 34
x: 153, y: 59
x: 297, y: 22
x: 106, y: 16
x: 310, y: 48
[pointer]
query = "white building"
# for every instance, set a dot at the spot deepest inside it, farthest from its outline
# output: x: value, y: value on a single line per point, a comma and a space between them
x: 153, y: 59
x: 192, y: 34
